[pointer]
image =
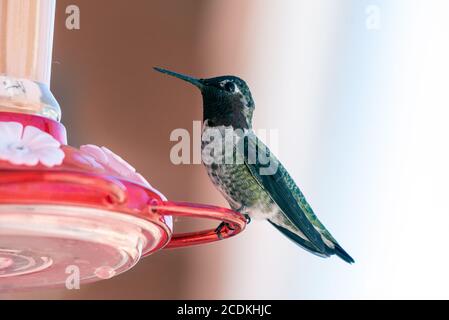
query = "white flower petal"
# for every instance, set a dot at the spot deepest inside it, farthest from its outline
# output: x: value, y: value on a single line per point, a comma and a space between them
x: 36, y: 138
x: 118, y: 164
x: 4, y: 155
x: 93, y: 162
x: 115, y: 163
x: 52, y: 157
x: 96, y: 153
x: 10, y: 131
x: 28, y: 159
x: 28, y: 146
x: 139, y: 178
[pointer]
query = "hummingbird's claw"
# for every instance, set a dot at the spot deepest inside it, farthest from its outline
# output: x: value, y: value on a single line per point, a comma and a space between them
x: 248, y: 218
x: 221, y: 227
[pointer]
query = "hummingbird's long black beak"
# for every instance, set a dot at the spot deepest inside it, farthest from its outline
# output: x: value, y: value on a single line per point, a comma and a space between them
x: 196, y: 82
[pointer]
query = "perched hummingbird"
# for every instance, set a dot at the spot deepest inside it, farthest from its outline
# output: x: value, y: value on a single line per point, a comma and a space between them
x: 228, y: 104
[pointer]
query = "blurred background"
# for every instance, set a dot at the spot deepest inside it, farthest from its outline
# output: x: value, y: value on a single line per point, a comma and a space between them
x: 358, y: 92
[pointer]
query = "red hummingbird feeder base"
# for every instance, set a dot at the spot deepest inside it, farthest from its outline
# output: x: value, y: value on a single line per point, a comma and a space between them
x: 81, y: 211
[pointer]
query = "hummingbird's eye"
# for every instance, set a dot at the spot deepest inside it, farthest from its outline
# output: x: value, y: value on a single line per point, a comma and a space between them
x: 230, y: 86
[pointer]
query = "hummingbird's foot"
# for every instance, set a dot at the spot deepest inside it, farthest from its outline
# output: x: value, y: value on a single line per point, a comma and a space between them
x: 243, y: 209
x: 220, y: 229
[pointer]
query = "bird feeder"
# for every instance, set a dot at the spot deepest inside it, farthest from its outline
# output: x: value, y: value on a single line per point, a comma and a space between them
x: 64, y: 208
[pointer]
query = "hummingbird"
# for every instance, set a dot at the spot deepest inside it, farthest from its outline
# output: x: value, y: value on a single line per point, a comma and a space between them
x: 272, y: 196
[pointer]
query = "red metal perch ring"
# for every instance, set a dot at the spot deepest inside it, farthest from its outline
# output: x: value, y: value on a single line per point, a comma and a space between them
x: 235, y: 223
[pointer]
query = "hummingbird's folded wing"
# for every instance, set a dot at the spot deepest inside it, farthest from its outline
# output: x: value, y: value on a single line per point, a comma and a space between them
x: 281, y: 188
x: 306, y: 245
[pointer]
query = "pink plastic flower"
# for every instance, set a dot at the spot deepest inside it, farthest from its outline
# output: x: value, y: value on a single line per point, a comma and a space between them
x: 117, y: 165
x: 109, y: 159
x: 28, y: 146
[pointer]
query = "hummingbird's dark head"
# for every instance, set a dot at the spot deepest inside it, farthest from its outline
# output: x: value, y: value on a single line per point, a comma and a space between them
x: 227, y: 100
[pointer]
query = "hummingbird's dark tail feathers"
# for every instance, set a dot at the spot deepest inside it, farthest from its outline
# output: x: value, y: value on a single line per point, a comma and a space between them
x: 342, y: 254
x: 339, y: 251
